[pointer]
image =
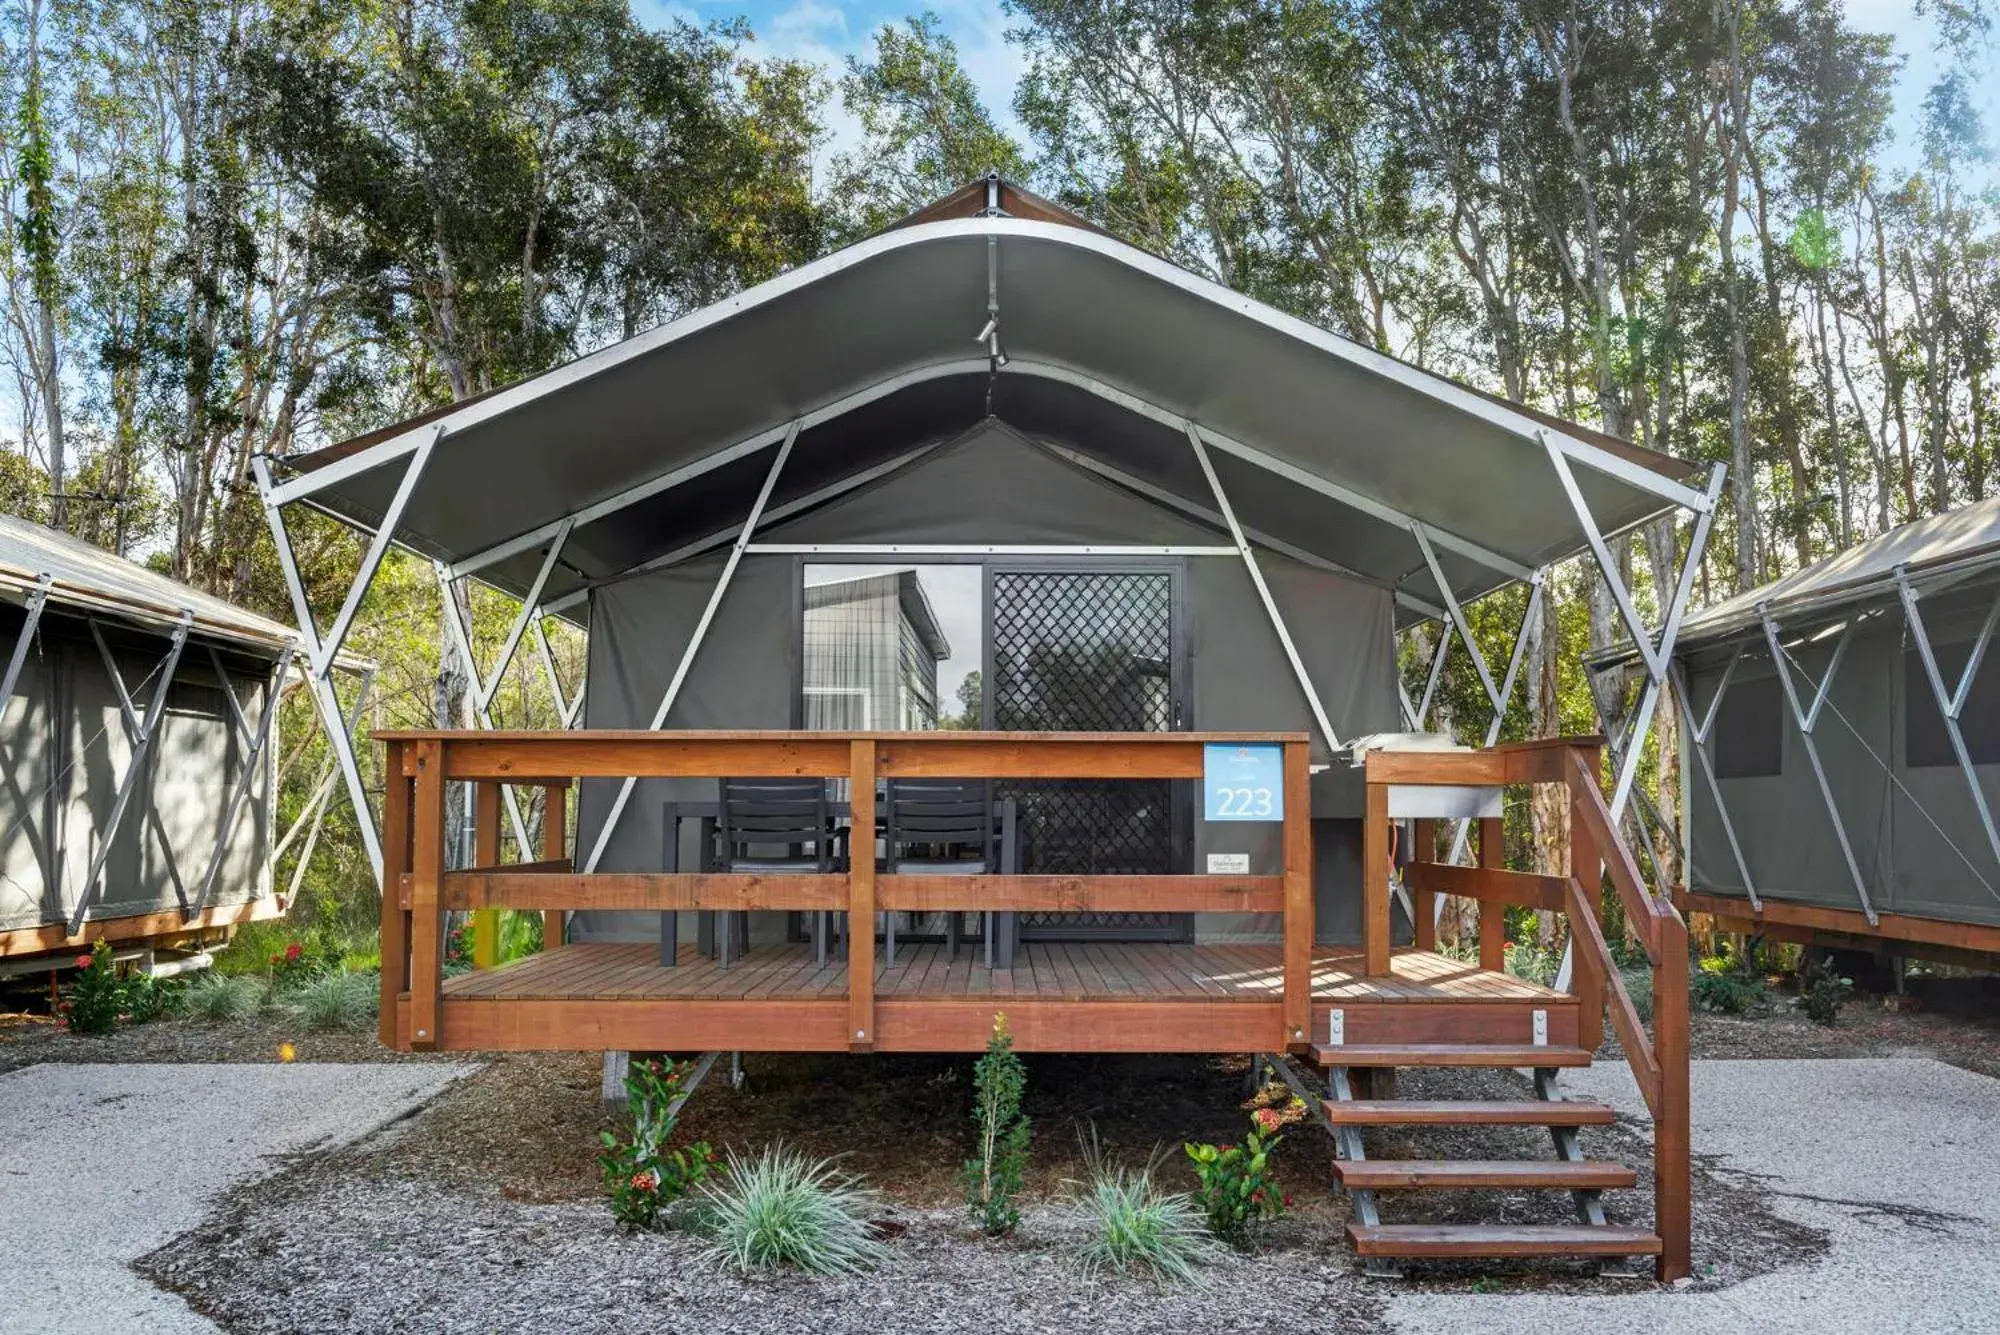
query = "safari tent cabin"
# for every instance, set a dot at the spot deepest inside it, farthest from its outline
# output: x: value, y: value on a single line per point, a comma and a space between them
x: 1841, y: 766
x: 982, y: 619
x: 136, y: 750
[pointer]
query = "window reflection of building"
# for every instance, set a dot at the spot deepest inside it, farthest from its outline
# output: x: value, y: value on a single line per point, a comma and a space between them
x: 872, y: 648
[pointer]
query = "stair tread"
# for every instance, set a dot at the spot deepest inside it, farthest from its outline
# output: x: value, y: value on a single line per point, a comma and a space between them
x: 1403, y: 1174
x: 1502, y: 1240
x: 1448, y: 1112
x: 1447, y: 1054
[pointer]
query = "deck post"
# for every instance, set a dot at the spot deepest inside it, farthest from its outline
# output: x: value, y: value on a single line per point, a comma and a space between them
x: 1375, y: 881
x: 1423, y: 903
x: 555, y: 835
x: 1586, y: 868
x: 427, y: 860
x: 1298, y: 892
x: 861, y: 896
x: 395, y: 917
x: 1672, y: 1209
x: 486, y: 853
x: 1492, y: 918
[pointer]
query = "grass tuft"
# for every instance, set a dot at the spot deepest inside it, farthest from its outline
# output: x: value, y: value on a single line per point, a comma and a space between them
x: 335, y: 1001
x: 783, y: 1209
x: 217, y: 996
x: 1133, y: 1227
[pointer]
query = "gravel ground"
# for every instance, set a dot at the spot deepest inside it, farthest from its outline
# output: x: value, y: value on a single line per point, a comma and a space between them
x: 28, y: 1039
x: 102, y: 1163
x: 476, y: 1215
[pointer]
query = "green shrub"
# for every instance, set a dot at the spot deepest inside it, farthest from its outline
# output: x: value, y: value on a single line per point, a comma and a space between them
x: 783, y: 1209
x: 93, y: 1000
x: 1638, y: 979
x: 217, y: 996
x: 148, y: 998
x: 1822, y: 989
x: 993, y: 1178
x: 1727, y: 991
x: 1237, y: 1188
x: 641, y: 1174
x: 1133, y: 1227
x: 335, y: 1001
x: 1527, y: 959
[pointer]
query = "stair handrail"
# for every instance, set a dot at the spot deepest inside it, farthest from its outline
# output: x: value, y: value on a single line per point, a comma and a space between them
x: 1647, y: 912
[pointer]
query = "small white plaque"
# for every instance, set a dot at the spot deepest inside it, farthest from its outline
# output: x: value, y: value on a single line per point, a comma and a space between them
x: 1228, y: 864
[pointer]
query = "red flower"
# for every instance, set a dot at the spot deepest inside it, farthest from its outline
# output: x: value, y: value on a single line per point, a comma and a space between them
x: 1287, y: 1200
x: 1270, y: 1119
x: 642, y: 1181
x: 83, y: 961
x: 293, y: 951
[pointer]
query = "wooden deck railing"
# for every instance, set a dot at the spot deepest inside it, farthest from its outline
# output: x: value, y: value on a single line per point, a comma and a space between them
x: 1659, y: 1059
x: 420, y: 766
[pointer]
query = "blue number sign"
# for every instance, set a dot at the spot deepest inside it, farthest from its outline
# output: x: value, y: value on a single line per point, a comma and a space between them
x: 1243, y: 781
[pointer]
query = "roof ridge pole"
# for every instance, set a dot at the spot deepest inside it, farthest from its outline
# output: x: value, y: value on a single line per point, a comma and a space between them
x: 240, y: 791
x: 326, y: 701
x: 1263, y: 590
x: 142, y: 750
x: 694, y: 643
x: 1952, y: 703
x: 482, y: 716
x: 1806, y: 718
x: 1697, y: 731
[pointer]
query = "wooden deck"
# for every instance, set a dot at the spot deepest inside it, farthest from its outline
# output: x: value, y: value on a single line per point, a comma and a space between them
x: 1073, y: 997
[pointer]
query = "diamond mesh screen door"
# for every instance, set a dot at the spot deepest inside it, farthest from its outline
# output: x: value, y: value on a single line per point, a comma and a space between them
x: 1090, y: 651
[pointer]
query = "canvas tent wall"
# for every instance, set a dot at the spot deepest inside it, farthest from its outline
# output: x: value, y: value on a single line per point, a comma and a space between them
x: 138, y: 778
x: 1060, y: 394
x: 1844, y: 747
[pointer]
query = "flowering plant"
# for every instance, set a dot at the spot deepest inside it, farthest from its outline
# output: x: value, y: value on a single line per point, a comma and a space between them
x: 92, y: 1001
x: 300, y: 962
x: 641, y: 1174
x: 1237, y: 1188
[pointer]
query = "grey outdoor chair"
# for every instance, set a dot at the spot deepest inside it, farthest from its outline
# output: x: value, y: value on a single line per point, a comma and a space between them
x: 778, y: 825
x: 946, y: 827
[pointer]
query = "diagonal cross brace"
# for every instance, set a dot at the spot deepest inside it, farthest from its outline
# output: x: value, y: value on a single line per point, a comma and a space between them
x: 1698, y: 730
x: 461, y: 636
x: 1952, y: 703
x: 1806, y: 716
x: 255, y: 744
x: 141, y: 750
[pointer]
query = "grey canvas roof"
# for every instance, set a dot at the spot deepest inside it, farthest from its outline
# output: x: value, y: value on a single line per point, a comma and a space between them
x: 1943, y: 549
x: 93, y: 579
x: 665, y: 439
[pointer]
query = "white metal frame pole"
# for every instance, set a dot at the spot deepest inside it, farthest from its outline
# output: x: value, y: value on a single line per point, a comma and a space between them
x: 322, y: 652
x: 679, y: 679
x: 1243, y: 549
x: 1952, y: 703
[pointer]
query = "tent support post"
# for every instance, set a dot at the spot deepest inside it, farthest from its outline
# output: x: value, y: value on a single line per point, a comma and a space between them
x: 1698, y: 728
x: 254, y: 745
x: 1806, y: 717
x: 321, y: 654
x: 142, y: 750
x: 1326, y: 732
x: 1500, y: 699
x: 24, y: 641
x: 1953, y: 704
x: 694, y: 643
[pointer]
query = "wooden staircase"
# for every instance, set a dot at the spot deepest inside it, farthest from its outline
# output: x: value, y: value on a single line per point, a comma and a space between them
x: 1380, y: 1245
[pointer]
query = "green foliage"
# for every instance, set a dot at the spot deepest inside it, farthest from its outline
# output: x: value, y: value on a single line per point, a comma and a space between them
x: 336, y: 1000
x: 783, y: 1209
x: 993, y: 1176
x: 642, y: 1175
x: 1821, y: 989
x: 222, y: 996
x: 148, y: 998
x: 94, y: 998
x: 1529, y: 960
x: 1638, y: 979
x: 1727, y: 985
x: 1130, y: 1226
x: 1236, y: 1188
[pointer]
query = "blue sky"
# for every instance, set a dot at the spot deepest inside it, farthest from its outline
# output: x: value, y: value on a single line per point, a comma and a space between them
x: 826, y: 33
